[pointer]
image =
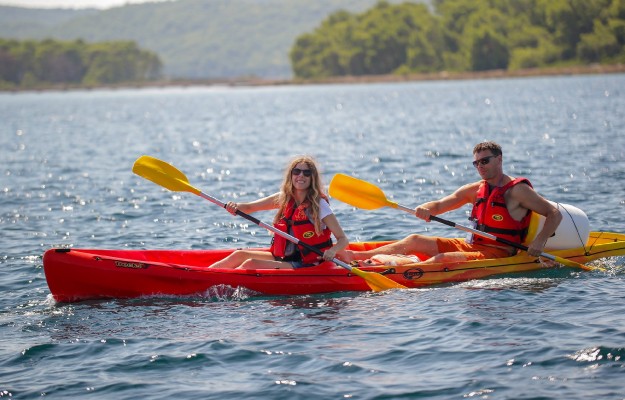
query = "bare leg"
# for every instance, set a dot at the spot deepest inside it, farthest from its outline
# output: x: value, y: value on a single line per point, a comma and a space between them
x: 255, y: 263
x: 408, y: 245
x: 238, y: 257
x: 451, y: 257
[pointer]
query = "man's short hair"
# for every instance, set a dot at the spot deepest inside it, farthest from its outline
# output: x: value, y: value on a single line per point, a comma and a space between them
x: 492, y: 146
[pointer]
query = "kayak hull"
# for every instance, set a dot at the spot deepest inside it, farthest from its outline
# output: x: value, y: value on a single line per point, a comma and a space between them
x: 84, y: 274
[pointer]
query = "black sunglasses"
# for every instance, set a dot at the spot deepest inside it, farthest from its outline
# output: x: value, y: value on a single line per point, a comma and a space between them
x: 482, y: 161
x: 297, y: 171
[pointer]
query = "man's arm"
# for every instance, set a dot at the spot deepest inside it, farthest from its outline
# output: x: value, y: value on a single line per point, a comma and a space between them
x: 464, y: 195
x: 528, y: 198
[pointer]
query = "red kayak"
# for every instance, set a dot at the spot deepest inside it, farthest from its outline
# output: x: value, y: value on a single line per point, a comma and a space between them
x: 82, y: 274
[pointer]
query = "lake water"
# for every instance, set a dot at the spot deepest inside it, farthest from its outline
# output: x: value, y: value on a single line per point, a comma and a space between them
x: 66, y: 180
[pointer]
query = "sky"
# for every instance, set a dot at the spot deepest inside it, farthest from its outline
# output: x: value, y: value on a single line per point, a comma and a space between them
x: 71, y: 3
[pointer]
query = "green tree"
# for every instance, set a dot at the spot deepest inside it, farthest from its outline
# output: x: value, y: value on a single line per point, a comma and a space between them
x: 567, y: 20
x: 488, y: 51
x: 59, y: 62
x: 325, y: 51
x: 113, y: 62
x: 384, y: 39
x: 600, y: 43
x: 31, y: 63
x: 9, y: 64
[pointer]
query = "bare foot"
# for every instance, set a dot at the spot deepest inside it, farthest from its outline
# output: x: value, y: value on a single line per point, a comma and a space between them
x: 546, y: 263
x: 392, y: 260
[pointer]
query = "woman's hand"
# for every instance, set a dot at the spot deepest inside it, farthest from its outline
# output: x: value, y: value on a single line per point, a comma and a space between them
x: 329, y: 254
x: 232, y: 207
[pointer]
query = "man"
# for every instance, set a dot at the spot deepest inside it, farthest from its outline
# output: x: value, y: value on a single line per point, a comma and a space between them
x: 502, y: 206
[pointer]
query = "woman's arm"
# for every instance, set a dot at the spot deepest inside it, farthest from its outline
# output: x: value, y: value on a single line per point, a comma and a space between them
x: 341, y: 239
x: 262, y: 204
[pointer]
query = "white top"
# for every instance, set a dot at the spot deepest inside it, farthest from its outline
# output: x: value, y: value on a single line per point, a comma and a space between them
x: 324, y: 209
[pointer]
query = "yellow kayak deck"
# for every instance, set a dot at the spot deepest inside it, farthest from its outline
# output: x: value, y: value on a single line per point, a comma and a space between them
x: 418, y: 274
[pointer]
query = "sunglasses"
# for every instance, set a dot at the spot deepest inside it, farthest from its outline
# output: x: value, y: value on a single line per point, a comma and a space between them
x: 297, y: 171
x: 482, y: 161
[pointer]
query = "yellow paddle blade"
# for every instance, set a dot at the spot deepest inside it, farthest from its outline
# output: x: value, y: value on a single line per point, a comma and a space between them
x: 358, y: 193
x: 377, y: 282
x: 163, y: 174
x: 573, y: 264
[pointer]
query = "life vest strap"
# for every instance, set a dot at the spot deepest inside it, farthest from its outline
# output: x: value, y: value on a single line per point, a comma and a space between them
x: 514, y: 232
x: 324, y: 245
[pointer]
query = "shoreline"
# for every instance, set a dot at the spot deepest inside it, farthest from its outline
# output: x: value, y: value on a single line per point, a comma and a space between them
x: 594, y: 69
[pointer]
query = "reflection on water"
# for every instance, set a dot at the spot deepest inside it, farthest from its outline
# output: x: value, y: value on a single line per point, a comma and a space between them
x: 322, y: 307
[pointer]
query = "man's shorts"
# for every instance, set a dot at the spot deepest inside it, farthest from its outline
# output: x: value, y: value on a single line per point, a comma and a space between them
x: 472, y: 251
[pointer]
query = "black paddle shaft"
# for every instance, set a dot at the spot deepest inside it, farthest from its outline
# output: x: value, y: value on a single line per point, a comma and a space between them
x: 464, y: 228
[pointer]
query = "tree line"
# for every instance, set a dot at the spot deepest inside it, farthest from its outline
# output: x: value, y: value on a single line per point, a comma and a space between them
x: 462, y: 35
x: 31, y: 64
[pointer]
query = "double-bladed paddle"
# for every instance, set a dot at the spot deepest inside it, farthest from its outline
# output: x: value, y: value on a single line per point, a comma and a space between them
x: 169, y: 177
x: 365, y: 195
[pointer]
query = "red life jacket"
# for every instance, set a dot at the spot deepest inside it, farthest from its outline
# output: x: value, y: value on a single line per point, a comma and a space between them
x: 491, y: 214
x: 295, y: 222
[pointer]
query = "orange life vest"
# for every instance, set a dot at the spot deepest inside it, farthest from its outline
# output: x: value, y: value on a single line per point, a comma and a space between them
x: 491, y: 215
x: 295, y: 222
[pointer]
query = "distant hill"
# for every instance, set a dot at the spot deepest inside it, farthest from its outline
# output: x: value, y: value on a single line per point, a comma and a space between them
x: 196, y: 39
x: 16, y: 22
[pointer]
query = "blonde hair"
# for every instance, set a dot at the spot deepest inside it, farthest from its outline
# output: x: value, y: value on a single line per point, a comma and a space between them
x: 313, y: 196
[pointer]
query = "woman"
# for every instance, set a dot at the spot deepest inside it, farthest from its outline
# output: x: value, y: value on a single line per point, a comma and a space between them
x: 303, y: 212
